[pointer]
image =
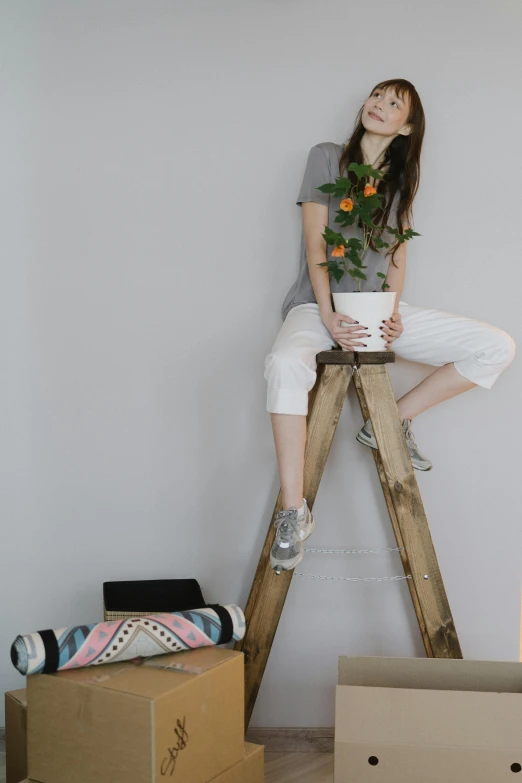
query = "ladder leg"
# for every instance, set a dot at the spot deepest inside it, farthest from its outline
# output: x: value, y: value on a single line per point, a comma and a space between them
x: 408, y: 518
x: 268, y: 592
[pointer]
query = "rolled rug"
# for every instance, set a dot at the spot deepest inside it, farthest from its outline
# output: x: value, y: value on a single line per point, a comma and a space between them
x: 121, y: 640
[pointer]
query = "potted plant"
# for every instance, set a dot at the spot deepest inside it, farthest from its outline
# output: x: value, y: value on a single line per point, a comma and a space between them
x: 370, y: 307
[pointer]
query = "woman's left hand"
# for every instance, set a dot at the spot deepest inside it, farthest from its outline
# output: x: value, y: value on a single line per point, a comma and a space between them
x: 392, y: 329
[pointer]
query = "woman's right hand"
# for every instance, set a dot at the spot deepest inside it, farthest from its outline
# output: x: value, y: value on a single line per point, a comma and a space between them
x: 350, y: 337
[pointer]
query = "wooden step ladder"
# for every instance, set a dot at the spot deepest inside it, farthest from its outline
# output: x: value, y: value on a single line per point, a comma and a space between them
x: 335, y: 369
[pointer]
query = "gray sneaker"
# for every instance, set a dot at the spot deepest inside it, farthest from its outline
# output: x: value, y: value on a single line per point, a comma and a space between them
x: 291, y: 531
x: 419, y: 461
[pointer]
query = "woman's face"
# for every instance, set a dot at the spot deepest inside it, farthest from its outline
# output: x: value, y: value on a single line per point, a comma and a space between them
x: 384, y: 112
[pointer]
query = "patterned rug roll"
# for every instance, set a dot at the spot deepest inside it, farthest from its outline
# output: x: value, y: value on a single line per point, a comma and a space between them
x: 121, y: 640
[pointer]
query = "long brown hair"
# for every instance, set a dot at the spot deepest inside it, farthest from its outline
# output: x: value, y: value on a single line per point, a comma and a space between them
x: 402, y: 156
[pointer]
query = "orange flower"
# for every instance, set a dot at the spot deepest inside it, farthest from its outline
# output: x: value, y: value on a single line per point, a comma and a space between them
x: 369, y: 190
x: 338, y: 252
x: 346, y: 204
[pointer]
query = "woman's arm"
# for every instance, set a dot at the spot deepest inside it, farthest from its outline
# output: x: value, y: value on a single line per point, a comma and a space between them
x: 315, y: 218
x: 396, y: 274
x: 393, y: 328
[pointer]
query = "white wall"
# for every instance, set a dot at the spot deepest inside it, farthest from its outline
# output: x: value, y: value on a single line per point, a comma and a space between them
x: 151, y: 155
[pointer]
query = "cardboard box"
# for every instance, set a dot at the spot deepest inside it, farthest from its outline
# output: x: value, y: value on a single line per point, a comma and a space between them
x: 413, y: 720
x: 249, y: 770
x: 178, y: 717
x: 16, y: 735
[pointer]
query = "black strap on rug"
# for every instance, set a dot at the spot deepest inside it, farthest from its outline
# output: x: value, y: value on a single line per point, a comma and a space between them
x: 52, y: 656
x: 227, y: 628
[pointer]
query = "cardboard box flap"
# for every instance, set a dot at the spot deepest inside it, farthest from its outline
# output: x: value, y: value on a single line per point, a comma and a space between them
x: 251, y: 748
x: 431, y: 673
x: 249, y: 770
x: 145, y: 677
x: 427, y: 718
x: 20, y: 696
x: 94, y: 675
x: 196, y: 661
x: 161, y: 674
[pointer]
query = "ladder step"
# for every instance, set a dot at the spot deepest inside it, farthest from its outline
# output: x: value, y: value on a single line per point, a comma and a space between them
x: 354, y: 358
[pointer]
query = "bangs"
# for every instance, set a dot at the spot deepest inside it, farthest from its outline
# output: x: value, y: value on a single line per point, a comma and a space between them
x: 400, y: 88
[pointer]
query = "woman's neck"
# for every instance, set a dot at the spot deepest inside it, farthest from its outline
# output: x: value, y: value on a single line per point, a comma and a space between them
x: 373, y: 149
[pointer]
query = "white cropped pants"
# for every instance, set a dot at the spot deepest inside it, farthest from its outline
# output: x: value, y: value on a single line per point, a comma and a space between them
x: 479, y: 351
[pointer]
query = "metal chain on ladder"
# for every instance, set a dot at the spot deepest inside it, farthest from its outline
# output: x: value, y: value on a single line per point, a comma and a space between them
x: 352, y: 551
x: 353, y: 578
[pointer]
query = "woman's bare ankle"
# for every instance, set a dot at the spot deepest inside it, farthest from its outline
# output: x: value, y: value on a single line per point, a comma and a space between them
x: 292, y: 502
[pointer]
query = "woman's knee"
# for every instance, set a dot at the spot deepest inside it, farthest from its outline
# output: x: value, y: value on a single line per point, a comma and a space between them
x: 504, y: 347
x: 485, y: 364
x: 290, y: 369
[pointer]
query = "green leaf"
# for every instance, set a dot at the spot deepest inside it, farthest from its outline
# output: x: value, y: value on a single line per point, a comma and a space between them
x: 365, y: 217
x: 355, y: 243
x: 353, y: 256
x: 408, y: 234
x: 333, y: 237
x: 345, y: 183
x: 340, y: 188
x: 380, y: 274
x: 329, y: 187
x: 356, y: 273
x: 345, y: 218
x: 380, y: 243
x: 338, y: 274
x: 334, y: 268
x: 369, y: 203
x: 365, y: 170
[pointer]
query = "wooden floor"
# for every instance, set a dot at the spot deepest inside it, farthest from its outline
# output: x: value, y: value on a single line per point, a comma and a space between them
x: 279, y: 767
x: 298, y: 767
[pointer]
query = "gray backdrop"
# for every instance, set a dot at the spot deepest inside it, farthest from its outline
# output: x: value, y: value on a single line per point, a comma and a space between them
x: 137, y: 139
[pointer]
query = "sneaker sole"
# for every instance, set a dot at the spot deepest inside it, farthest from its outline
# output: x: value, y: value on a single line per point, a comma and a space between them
x: 372, y: 446
x: 287, y: 565
x: 365, y: 442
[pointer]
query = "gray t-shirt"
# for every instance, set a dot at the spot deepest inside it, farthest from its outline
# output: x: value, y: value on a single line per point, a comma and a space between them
x: 322, y: 166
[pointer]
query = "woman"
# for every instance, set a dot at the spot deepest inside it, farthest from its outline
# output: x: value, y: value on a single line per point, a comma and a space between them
x: 388, y: 134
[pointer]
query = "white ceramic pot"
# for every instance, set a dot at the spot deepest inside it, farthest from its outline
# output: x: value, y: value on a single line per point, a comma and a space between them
x: 370, y: 309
